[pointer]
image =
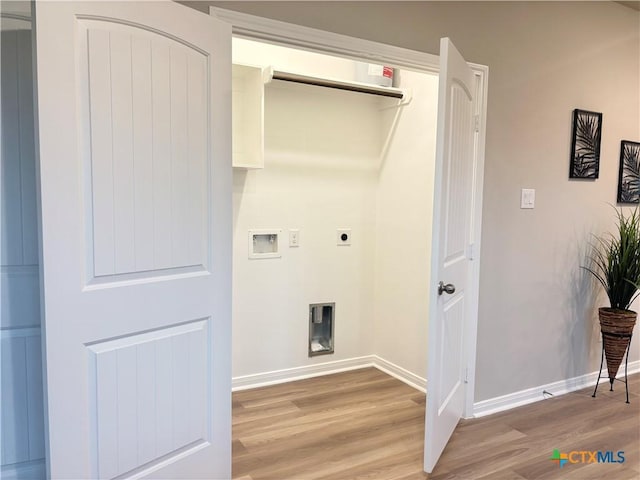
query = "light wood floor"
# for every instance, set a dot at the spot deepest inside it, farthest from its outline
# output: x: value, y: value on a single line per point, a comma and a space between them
x: 365, y: 424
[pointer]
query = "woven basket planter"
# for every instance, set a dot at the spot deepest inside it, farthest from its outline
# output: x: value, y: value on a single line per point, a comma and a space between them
x: 617, y: 327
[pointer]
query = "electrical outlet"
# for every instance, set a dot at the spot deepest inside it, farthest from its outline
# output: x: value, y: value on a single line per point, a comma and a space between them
x: 343, y: 236
x: 294, y: 238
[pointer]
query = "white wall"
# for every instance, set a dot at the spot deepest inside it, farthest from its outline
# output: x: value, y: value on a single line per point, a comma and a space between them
x: 322, y: 151
x: 290, y: 60
x: 536, y: 320
x: 21, y: 400
x: 403, y: 229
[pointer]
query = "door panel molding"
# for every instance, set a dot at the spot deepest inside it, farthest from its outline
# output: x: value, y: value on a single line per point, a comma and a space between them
x: 148, y: 397
x: 145, y: 179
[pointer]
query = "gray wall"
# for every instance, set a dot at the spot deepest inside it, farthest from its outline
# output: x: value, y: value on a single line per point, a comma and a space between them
x: 537, y: 321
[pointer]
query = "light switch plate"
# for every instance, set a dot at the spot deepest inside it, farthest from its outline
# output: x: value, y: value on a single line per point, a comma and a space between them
x: 528, y: 198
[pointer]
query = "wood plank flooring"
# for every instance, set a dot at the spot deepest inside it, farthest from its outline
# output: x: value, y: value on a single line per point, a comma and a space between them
x: 365, y: 424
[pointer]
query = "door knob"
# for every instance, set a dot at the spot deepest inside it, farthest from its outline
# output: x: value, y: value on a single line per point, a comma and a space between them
x: 448, y: 288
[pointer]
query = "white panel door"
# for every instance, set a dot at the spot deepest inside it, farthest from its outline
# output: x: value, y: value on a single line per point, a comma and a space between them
x: 134, y: 103
x: 21, y: 407
x: 450, y: 255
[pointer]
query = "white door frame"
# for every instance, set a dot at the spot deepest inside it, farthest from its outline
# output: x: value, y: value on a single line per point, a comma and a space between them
x: 290, y: 35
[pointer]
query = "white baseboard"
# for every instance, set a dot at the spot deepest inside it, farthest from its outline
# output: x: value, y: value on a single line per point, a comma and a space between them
x: 34, y: 470
x: 299, y: 373
x: 480, y: 409
x: 531, y: 395
x: 400, y: 373
x: 247, y: 382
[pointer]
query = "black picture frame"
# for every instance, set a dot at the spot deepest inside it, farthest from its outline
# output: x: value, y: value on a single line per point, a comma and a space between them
x: 585, y: 144
x: 629, y: 173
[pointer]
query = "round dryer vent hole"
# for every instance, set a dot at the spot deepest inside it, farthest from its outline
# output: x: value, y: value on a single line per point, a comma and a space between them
x: 343, y: 236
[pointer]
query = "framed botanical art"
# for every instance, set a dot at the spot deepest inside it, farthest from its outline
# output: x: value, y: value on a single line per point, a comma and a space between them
x: 629, y: 175
x: 585, y: 144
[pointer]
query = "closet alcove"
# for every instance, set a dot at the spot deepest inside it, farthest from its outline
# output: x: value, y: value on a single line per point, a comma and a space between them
x: 321, y: 151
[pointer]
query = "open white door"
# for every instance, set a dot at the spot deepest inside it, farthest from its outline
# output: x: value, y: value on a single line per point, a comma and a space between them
x: 134, y: 103
x: 450, y: 270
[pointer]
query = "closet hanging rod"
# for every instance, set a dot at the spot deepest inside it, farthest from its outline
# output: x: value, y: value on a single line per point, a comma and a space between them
x: 338, y: 84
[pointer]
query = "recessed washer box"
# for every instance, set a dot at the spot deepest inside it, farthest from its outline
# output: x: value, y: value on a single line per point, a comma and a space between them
x: 321, y: 320
x: 264, y: 243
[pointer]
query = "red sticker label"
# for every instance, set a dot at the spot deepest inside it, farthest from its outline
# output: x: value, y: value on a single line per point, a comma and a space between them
x: 387, y: 72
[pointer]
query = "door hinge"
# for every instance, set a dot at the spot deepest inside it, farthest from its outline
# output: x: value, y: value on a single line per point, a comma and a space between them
x: 476, y: 123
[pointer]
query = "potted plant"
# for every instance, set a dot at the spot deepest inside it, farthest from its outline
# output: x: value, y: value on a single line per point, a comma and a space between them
x: 615, y: 263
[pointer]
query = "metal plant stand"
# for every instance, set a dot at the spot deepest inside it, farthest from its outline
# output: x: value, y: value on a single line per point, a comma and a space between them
x: 626, y: 361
